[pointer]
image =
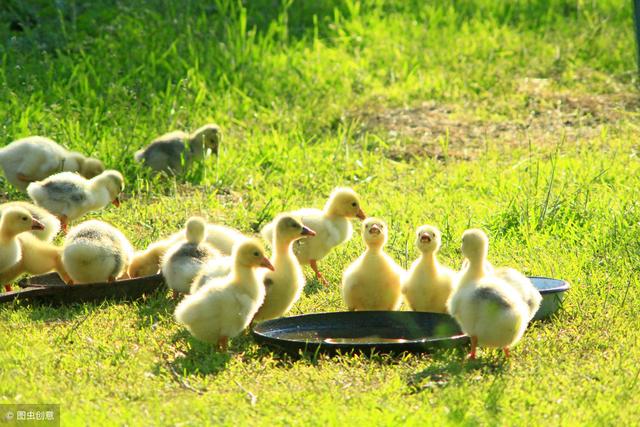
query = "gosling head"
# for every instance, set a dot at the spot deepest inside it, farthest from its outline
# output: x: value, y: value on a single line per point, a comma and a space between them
x: 17, y: 220
x: 475, y: 245
x: 290, y: 228
x: 196, y: 228
x: 250, y: 253
x: 72, y: 162
x: 374, y: 232
x: 344, y: 202
x: 144, y: 264
x: 428, y: 239
x: 113, y: 181
x: 208, y: 136
x: 90, y: 167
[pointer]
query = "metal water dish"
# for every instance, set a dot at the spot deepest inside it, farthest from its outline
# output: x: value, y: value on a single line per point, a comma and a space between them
x: 553, y: 292
x: 51, y: 289
x: 383, y: 331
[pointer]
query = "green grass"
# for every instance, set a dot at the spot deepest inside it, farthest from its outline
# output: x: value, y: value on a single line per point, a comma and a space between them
x: 290, y: 83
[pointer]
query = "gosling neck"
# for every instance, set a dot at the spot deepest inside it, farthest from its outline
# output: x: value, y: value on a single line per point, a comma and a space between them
x: 195, y: 238
x: 282, y: 246
x: 72, y: 163
x: 196, y: 145
x: 475, y: 267
x: 6, y: 235
x: 429, y: 261
x: 101, y: 196
x: 374, y: 247
x: 331, y: 210
x: 245, y: 278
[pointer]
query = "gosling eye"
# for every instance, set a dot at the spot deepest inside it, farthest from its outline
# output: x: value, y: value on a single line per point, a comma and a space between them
x: 256, y: 254
x: 354, y: 204
x: 294, y: 225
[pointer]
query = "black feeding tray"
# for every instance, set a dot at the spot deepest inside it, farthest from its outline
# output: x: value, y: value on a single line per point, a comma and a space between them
x: 51, y: 289
x: 384, y: 331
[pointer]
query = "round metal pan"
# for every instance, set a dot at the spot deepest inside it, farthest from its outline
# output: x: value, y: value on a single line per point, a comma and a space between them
x: 50, y: 289
x: 383, y: 331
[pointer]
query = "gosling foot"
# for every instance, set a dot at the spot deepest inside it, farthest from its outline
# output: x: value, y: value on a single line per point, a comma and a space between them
x: 24, y: 178
x: 314, y: 266
x: 223, y: 344
x: 474, y: 347
x: 64, y: 224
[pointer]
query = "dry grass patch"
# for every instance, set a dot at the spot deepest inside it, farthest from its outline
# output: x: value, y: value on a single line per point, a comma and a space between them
x: 443, y: 131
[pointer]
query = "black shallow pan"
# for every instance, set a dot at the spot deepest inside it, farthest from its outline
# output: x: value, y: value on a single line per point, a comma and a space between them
x: 384, y: 331
x: 50, y: 289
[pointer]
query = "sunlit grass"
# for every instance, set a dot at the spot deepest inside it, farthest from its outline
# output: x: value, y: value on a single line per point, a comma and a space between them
x: 288, y: 82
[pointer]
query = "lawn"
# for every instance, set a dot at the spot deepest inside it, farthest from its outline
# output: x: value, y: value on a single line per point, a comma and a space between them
x: 518, y: 117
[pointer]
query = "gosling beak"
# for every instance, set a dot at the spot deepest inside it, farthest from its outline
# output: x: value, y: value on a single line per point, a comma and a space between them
x: 425, y: 238
x: 116, y: 202
x: 267, y: 264
x: 37, y: 225
x: 360, y: 214
x: 375, y: 229
x: 306, y: 231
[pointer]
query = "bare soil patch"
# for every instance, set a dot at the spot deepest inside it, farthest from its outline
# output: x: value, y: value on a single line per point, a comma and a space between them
x: 435, y: 130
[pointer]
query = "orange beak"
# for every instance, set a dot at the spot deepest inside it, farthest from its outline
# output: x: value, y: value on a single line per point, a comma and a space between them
x: 37, y: 225
x: 267, y: 264
x: 116, y: 202
x: 361, y: 214
x: 306, y: 231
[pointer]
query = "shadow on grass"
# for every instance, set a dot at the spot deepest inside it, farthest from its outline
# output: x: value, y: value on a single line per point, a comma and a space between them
x: 32, y: 22
x: 314, y: 355
x: 51, y: 313
x: 193, y: 357
x: 452, y: 366
x: 313, y: 286
x: 154, y: 308
x: 184, y: 357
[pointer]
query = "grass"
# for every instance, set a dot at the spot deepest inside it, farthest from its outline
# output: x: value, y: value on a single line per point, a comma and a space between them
x: 292, y: 83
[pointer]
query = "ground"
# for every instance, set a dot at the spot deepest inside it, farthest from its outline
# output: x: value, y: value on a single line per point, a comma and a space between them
x: 518, y: 117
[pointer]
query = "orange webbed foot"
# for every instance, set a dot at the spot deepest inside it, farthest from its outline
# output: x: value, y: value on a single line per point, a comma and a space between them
x: 474, y: 347
x: 314, y: 266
